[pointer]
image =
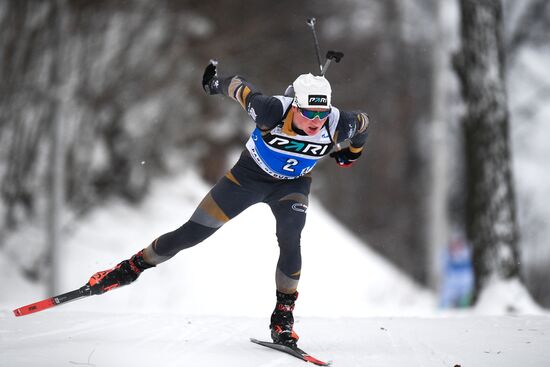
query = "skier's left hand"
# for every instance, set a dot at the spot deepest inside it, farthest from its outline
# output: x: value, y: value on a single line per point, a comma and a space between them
x: 345, y: 157
x: 210, y: 82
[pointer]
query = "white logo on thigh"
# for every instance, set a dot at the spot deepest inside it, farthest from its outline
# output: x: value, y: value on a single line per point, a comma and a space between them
x: 299, y: 207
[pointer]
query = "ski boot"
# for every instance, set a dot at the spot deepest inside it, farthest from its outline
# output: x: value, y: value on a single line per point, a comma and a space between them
x: 123, y: 274
x: 282, y: 320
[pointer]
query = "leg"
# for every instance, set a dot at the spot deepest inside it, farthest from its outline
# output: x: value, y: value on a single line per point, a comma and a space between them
x: 226, y: 199
x: 290, y: 213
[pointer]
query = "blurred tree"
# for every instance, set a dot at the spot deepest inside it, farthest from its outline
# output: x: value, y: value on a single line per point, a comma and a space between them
x: 490, y: 203
x: 110, y: 74
x: 527, y: 25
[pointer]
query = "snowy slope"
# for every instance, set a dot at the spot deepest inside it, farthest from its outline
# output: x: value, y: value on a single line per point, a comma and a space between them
x: 67, y: 338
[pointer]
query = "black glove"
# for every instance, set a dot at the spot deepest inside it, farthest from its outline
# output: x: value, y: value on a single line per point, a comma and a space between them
x: 210, y: 82
x: 345, y: 157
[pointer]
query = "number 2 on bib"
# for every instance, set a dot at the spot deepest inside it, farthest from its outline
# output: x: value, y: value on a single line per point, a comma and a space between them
x: 291, y: 162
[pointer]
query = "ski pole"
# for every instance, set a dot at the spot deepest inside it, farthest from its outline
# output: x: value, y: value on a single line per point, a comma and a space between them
x: 331, y: 55
x: 311, y: 23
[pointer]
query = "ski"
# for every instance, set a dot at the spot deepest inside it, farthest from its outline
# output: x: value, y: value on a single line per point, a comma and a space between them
x: 79, y: 293
x: 293, y: 351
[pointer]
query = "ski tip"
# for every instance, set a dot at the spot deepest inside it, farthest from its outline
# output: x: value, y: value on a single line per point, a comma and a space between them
x: 34, y: 307
x: 22, y: 311
x: 313, y: 360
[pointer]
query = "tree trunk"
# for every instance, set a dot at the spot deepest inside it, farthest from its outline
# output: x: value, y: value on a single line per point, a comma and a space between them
x: 490, y: 203
x: 438, y: 220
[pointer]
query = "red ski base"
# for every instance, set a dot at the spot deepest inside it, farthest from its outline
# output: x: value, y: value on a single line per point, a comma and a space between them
x: 34, y: 307
x: 84, y: 291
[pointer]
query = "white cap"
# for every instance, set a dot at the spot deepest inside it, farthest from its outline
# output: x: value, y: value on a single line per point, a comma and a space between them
x: 312, y: 91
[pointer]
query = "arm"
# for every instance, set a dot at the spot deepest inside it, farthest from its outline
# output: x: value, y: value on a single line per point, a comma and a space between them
x: 266, y: 111
x: 352, y: 126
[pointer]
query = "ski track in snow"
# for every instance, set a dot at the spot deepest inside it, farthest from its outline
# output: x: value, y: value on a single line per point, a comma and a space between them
x: 74, y: 338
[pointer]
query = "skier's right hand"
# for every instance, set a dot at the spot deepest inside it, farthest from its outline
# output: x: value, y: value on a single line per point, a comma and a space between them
x: 210, y: 82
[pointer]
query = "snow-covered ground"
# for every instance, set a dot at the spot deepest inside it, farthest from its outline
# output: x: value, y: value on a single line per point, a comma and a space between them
x: 70, y: 338
x: 201, y: 307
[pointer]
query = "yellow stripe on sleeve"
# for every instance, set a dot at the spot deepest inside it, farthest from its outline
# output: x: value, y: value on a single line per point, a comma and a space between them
x: 354, y: 149
x: 245, y: 91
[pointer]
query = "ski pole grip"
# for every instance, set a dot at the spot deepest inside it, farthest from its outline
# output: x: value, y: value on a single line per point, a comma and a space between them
x: 335, y: 55
x: 331, y: 55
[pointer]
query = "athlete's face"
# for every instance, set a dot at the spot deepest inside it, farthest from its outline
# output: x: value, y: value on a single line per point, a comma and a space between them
x: 308, y: 120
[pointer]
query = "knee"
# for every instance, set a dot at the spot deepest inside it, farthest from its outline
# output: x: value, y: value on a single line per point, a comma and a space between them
x: 289, y: 233
x: 186, y: 236
x: 291, y: 219
x: 289, y: 240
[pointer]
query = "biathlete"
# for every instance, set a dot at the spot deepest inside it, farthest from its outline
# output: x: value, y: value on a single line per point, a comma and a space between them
x: 291, y: 135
